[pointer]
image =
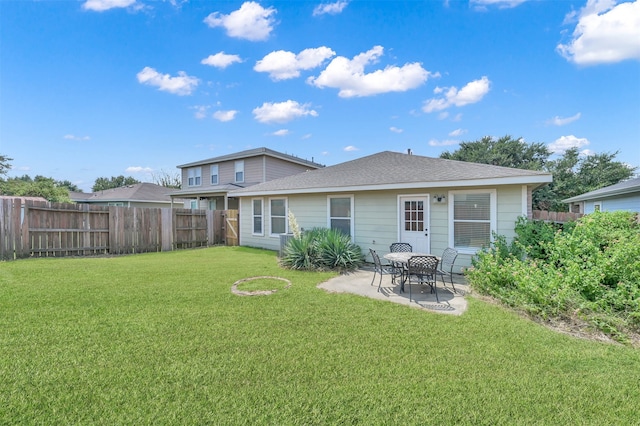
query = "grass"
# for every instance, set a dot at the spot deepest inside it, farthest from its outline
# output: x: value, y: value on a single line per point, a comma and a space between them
x: 160, y: 339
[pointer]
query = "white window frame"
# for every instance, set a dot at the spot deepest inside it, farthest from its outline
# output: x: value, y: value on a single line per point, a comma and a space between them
x: 351, y: 215
x: 254, y: 216
x: 193, y: 204
x: 214, y: 174
x: 194, y: 176
x: 271, y: 216
x: 239, y: 169
x: 493, y: 217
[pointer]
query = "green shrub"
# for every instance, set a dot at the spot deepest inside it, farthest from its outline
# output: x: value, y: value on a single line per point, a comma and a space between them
x: 588, y: 270
x: 322, y: 249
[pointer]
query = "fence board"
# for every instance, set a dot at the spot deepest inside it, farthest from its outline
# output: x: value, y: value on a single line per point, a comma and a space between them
x: 40, y: 229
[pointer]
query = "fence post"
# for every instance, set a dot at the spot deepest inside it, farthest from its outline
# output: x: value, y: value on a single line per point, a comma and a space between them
x: 167, y: 228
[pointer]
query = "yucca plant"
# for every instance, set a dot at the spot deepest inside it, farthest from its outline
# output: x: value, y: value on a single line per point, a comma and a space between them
x: 322, y: 249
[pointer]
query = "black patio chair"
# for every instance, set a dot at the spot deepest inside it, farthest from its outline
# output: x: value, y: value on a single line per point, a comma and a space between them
x: 401, y: 268
x: 446, y: 265
x: 422, y: 270
x: 382, y: 269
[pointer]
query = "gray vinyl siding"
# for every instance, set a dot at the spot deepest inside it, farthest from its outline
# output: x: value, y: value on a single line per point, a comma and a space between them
x: 630, y: 202
x: 509, y: 209
x: 376, y: 221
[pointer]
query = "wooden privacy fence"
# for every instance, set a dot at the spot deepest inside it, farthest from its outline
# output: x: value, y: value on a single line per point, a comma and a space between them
x: 559, y: 217
x: 40, y: 229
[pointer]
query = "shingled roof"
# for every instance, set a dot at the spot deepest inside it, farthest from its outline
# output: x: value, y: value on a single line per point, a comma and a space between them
x: 393, y: 170
x: 255, y: 152
x: 621, y: 188
x: 140, y: 192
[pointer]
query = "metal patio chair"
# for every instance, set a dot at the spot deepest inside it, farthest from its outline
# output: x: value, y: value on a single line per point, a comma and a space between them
x: 401, y: 268
x: 446, y: 265
x: 422, y: 270
x: 382, y: 269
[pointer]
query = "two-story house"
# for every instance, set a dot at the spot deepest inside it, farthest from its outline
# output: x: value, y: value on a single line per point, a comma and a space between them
x: 206, y: 183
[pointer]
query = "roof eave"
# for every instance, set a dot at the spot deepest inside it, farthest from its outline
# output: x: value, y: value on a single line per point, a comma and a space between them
x: 524, y: 180
x: 607, y: 194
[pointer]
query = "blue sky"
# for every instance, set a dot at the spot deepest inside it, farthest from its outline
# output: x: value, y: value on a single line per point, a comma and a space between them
x: 101, y: 88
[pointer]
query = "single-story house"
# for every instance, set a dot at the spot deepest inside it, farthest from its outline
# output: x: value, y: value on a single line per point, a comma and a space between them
x: 621, y: 196
x: 138, y: 195
x: 206, y: 183
x: 431, y: 203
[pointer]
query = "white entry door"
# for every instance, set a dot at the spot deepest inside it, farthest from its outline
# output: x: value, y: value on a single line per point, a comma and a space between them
x: 414, y: 222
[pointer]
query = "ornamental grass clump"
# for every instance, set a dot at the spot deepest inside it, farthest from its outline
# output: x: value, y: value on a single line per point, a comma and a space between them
x: 322, y: 249
x: 590, y: 272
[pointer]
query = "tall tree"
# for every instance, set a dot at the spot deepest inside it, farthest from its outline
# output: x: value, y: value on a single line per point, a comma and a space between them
x: 168, y: 180
x: 103, y: 183
x: 572, y: 174
x: 40, y: 186
x: 506, y: 151
x: 5, y: 164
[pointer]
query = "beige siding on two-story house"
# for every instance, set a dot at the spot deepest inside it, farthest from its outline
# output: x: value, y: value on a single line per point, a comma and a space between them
x: 256, y: 170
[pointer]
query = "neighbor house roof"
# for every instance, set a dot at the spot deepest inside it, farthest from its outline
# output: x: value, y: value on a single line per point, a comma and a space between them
x: 621, y: 188
x: 393, y: 170
x: 255, y: 152
x: 139, y: 192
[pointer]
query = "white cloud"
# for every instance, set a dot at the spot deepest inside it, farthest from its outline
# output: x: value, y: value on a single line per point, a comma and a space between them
x: 282, y: 65
x: 349, y: 76
x: 181, y: 85
x: 330, y: 8
x: 225, y: 116
x: 457, y: 132
x: 560, y: 121
x: 281, y: 132
x: 448, y: 142
x: 220, y: 60
x: 306, y: 136
x: 250, y: 22
x: 102, y: 5
x: 471, y: 93
x: 395, y: 129
x: 138, y: 169
x: 76, y: 138
x: 350, y: 148
x: 565, y: 142
x: 282, y: 112
x: 201, y: 111
x: 606, y: 32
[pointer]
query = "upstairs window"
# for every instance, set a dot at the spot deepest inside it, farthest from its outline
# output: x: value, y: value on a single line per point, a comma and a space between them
x: 214, y: 174
x: 194, y: 176
x: 239, y: 171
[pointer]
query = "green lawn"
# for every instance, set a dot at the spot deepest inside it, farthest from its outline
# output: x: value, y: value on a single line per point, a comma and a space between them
x: 160, y: 339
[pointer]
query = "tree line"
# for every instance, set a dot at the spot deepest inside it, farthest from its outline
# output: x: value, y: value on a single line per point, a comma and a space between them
x: 572, y: 173
x: 58, y: 190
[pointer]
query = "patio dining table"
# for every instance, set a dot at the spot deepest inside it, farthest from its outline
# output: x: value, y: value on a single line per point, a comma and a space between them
x: 403, y: 258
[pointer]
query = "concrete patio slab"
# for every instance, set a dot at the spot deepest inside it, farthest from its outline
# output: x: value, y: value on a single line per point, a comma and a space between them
x: 359, y: 282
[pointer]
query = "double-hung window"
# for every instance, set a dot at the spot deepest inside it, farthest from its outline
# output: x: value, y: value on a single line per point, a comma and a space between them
x: 340, y: 214
x: 278, y: 215
x: 194, y: 176
x: 214, y: 174
x: 473, y: 219
x: 239, y: 166
x: 257, y: 212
